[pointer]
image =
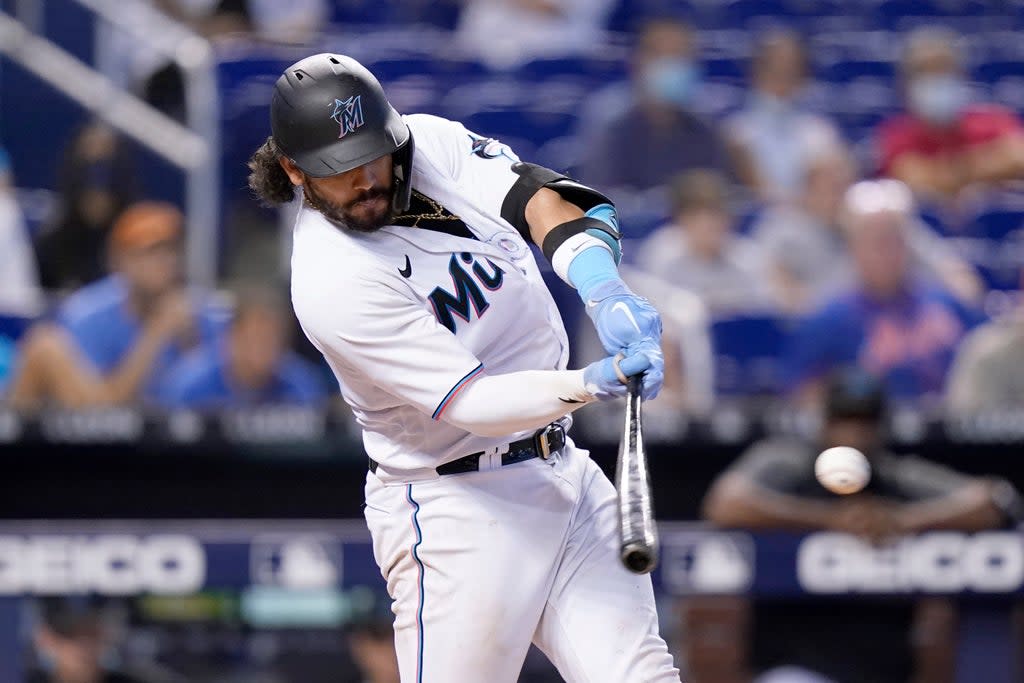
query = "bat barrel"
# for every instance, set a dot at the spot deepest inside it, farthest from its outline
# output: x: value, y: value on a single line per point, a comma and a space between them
x: 638, y: 533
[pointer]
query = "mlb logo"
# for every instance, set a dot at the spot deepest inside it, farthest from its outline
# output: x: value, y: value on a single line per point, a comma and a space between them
x: 695, y: 563
x: 296, y: 562
x: 348, y: 113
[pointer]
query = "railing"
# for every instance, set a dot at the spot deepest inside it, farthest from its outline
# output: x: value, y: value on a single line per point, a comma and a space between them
x: 193, y: 148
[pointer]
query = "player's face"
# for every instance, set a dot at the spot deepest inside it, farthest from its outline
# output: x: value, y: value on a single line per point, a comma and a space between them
x: 359, y: 199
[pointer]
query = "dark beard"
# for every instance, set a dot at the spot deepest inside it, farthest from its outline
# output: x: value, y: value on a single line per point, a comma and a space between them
x: 340, y: 214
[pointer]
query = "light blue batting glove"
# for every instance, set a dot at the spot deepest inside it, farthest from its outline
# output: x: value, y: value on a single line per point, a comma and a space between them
x: 622, y: 318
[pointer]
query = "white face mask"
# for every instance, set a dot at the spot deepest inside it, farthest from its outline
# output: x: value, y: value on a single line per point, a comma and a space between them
x: 938, y: 99
x: 671, y: 81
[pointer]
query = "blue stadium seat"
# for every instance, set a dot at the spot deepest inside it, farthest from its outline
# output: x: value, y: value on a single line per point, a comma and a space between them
x: 12, y: 327
x: 560, y: 154
x: 507, y: 125
x: 596, y: 70
x: 417, y: 94
x: 726, y: 70
x: 895, y: 12
x: 992, y: 240
x: 387, y: 70
x: 629, y: 15
x: 246, y: 79
x: 747, y: 354
x: 348, y: 12
x: 846, y: 70
x: 754, y: 13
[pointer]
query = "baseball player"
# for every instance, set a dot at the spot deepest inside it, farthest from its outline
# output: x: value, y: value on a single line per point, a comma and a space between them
x: 412, y: 274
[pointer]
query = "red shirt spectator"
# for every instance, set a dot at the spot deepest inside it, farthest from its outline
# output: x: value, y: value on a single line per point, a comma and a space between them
x: 944, y: 143
x: 976, y: 125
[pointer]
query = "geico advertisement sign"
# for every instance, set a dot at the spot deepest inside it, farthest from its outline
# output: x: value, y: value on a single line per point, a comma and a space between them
x: 105, y: 564
x: 991, y: 562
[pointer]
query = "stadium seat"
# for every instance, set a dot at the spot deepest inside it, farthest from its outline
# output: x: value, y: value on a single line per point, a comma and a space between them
x: 12, y: 327
x: 597, y: 70
x: 747, y: 352
x: 754, y: 13
x: 896, y: 14
x: 345, y: 13
x: 628, y: 15
x: 846, y: 70
x: 727, y: 70
x: 995, y: 70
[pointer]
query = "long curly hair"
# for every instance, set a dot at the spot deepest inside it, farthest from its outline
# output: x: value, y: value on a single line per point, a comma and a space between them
x: 266, y: 177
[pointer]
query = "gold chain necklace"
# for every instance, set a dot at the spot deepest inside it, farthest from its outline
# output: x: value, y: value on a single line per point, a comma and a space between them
x: 439, y: 212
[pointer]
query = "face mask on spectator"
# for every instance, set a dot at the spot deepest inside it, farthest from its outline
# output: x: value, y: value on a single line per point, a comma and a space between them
x: 773, y: 104
x: 938, y: 99
x: 671, y: 81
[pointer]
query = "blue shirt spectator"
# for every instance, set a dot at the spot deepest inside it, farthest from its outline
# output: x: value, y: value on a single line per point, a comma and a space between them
x: 251, y: 366
x: 113, y: 340
x: 888, y: 324
x: 104, y: 328
x: 203, y: 380
x: 909, y: 341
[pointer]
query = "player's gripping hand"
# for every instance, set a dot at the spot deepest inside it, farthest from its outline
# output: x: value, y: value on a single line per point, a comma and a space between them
x: 622, y: 318
x: 605, y: 381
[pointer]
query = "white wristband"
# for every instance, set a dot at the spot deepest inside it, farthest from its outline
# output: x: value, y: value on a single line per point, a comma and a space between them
x: 570, y: 249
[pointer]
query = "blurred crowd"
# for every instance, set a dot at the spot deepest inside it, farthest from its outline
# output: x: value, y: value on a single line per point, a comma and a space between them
x: 774, y: 220
x: 786, y: 250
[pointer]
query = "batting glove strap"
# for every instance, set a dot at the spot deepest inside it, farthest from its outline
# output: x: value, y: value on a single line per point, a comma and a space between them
x: 604, y: 379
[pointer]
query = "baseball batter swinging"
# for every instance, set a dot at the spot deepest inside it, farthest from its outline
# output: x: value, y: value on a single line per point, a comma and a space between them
x: 412, y: 274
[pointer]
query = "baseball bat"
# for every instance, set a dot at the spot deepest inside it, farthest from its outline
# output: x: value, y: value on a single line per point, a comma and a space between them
x: 637, y: 531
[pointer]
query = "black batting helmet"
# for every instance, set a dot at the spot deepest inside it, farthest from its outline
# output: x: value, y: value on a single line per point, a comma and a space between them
x: 329, y: 115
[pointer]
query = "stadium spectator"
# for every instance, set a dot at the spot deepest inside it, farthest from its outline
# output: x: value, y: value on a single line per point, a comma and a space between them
x: 250, y: 366
x: 506, y: 33
x: 97, y: 181
x: 656, y: 135
x: 988, y: 371
x: 773, y: 487
x: 807, y: 254
x: 888, y: 322
x: 700, y: 252
x: 72, y: 639
x: 19, y: 282
x: 20, y: 295
x: 943, y: 143
x: 779, y: 135
x: 116, y: 338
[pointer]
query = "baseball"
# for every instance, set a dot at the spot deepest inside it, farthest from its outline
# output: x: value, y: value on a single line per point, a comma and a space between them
x: 842, y: 470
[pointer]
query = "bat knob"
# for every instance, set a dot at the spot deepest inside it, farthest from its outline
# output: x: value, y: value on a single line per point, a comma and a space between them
x: 639, y: 558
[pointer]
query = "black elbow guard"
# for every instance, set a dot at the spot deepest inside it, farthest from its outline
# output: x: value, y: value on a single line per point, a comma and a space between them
x: 532, y: 178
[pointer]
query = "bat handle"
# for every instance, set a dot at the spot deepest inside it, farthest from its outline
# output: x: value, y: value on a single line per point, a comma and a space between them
x: 634, y: 385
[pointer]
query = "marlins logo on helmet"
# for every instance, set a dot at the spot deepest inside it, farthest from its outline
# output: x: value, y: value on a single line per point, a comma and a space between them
x: 348, y: 113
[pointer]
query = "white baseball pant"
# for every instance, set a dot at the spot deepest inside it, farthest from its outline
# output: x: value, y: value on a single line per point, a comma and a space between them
x: 479, y: 565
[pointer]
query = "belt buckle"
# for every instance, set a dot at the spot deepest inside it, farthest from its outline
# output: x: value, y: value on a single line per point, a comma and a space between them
x: 542, y: 440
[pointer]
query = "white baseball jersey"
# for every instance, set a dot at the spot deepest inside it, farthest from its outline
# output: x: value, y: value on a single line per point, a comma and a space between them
x: 407, y: 316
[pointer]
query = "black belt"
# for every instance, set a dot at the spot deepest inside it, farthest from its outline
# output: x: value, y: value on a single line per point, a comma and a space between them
x: 540, y: 445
